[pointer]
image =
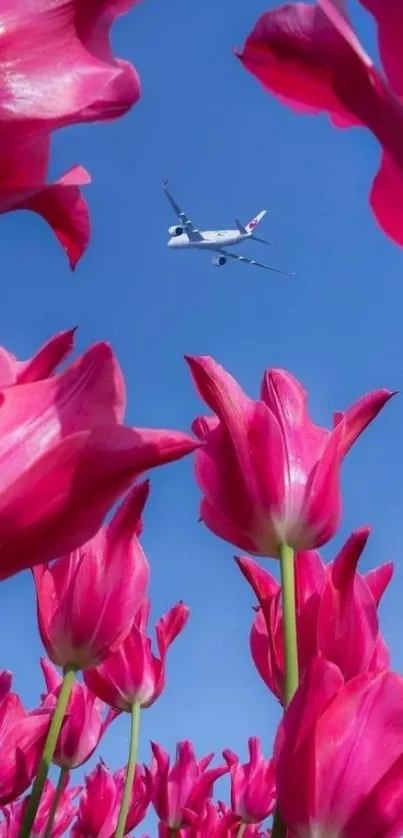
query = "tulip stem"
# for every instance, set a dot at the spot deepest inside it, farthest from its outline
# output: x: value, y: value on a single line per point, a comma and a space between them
x: 241, y: 830
x: 289, y: 622
x: 278, y: 829
x: 48, y: 751
x: 56, y: 800
x: 130, y: 772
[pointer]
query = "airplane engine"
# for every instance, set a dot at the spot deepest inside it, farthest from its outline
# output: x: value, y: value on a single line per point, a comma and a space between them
x: 218, y: 261
x: 175, y: 231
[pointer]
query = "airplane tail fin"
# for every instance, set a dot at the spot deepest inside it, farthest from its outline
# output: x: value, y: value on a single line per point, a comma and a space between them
x: 255, y: 221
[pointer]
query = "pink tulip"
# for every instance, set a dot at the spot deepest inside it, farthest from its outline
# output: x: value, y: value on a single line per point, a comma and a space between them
x: 22, y: 737
x: 345, y: 743
x: 179, y: 794
x: 100, y: 803
x: 336, y: 614
x: 65, y: 812
x: 213, y: 823
x: 61, y: 439
x: 267, y: 473
x: 43, y: 363
x: 252, y: 784
x: 133, y: 674
x: 84, y: 724
x: 87, y: 600
x: 310, y: 57
x: 85, y: 84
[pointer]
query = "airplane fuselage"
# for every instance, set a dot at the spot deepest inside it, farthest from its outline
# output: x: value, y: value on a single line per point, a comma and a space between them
x: 212, y: 239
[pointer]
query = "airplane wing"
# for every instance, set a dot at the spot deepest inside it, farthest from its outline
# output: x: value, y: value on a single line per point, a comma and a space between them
x: 193, y: 233
x: 253, y: 262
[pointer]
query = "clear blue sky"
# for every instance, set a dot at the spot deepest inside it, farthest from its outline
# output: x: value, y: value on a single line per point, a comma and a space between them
x: 229, y: 150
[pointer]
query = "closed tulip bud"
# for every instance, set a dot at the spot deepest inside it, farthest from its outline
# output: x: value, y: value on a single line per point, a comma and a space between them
x: 88, y: 599
x: 133, y: 674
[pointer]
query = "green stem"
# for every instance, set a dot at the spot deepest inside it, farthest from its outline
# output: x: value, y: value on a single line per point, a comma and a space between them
x: 290, y: 647
x: 289, y: 622
x: 131, y: 767
x: 55, y: 802
x: 241, y: 830
x: 48, y: 751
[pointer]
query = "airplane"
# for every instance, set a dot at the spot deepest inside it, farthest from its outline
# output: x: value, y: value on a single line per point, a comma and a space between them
x: 186, y: 235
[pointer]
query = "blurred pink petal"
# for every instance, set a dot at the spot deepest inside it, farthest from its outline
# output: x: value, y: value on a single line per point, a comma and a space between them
x: 60, y: 440
x: 22, y: 737
x: 65, y: 812
x: 311, y: 58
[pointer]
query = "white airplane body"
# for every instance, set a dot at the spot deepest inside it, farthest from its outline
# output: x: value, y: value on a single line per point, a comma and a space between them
x: 186, y: 236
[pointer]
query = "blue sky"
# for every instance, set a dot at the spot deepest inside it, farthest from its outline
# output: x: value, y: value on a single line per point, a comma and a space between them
x: 229, y: 150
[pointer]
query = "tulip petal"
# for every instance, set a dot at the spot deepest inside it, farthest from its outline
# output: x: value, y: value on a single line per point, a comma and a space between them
x: 322, y: 496
x: 389, y: 19
x: 43, y: 363
x: 100, y: 86
x: 262, y: 583
x: 297, y: 54
x: 378, y: 580
x: 77, y: 480
x: 357, y: 417
x: 62, y: 205
x: 169, y: 626
x: 386, y: 197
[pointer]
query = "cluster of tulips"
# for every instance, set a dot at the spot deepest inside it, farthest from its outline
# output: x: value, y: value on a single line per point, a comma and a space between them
x: 269, y: 479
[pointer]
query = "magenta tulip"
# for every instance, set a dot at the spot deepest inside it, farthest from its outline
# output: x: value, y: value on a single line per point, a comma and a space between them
x: 253, y: 788
x: 311, y: 59
x: 42, y: 365
x: 84, y: 724
x: 22, y: 737
x: 336, y: 614
x: 65, y: 813
x: 87, y: 601
x: 179, y: 793
x: 61, y: 439
x: 344, y: 742
x: 267, y: 473
x: 133, y: 674
x: 100, y: 803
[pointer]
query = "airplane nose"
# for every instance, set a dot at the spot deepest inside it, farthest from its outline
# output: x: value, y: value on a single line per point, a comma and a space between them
x: 169, y: 242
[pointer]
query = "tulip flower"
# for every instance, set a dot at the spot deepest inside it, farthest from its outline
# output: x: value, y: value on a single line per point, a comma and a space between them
x: 88, y: 599
x: 133, y: 678
x: 83, y: 726
x: 22, y: 736
x: 252, y: 784
x: 63, y: 815
x: 345, y: 742
x: 336, y: 614
x: 85, y: 84
x: 179, y: 794
x: 311, y: 59
x: 61, y: 439
x: 133, y: 674
x: 100, y: 803
x: 269, y: 476
x: 213, y: 823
